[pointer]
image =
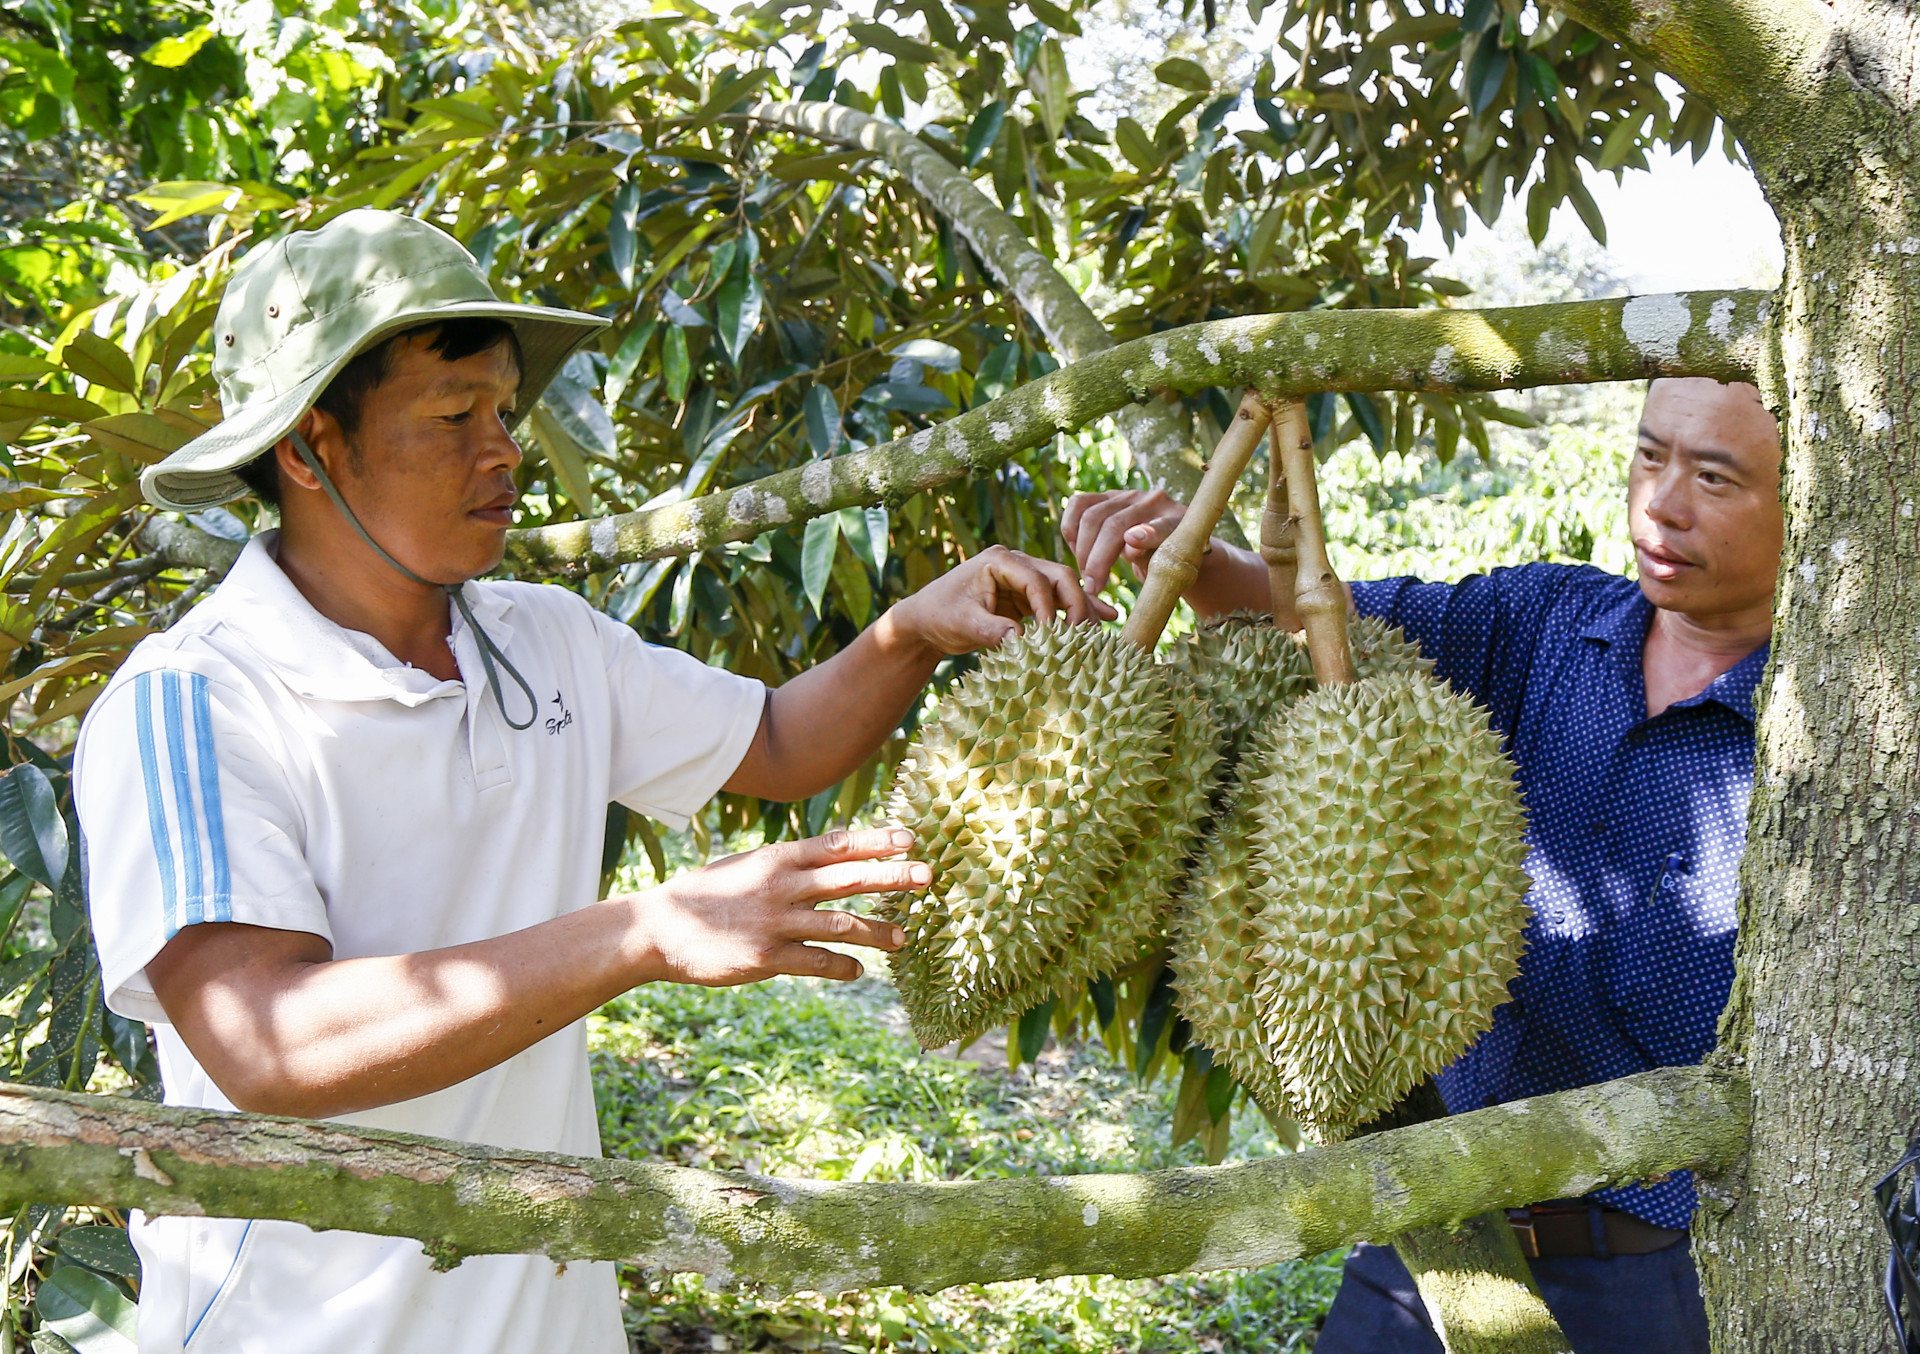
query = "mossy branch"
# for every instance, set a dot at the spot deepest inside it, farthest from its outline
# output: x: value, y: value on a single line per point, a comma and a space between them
x: 1155, y: 432
x: 788, y: 1235
x: 1709, y: 333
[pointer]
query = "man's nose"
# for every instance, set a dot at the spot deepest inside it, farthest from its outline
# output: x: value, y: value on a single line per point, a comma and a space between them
x: 502, y: 451
x: 1667, y: 500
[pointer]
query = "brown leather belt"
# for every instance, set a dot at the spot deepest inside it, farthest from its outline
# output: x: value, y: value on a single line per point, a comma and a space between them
x: 1580, y: 1228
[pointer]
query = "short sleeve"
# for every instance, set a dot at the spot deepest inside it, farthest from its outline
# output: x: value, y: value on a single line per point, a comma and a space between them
x: 680, y: 727
x: 1480, y: 632
x: 186, y: 818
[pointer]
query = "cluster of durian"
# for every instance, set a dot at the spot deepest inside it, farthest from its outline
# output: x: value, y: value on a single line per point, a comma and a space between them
x: 1057, y: 794
x: 1343, y: 864
x: 1357, y: 920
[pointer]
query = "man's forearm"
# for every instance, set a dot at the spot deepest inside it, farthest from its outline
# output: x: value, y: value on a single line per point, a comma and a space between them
x: 823, y: 724
x: 328, y: 1036
x: 1232, y: 579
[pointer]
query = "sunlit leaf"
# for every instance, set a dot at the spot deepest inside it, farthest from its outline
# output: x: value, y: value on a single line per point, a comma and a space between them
x: 1184, y: 74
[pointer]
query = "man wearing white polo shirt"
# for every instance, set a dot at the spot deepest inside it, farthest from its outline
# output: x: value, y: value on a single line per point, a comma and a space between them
x: 344, y: 819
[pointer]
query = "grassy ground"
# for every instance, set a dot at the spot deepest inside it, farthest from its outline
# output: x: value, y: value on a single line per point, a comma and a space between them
x: 799, y: 1077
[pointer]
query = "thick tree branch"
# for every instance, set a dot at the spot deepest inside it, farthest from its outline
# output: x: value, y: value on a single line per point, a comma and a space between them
x: 1765, y: 65
x: 1719, y: 334
x: 1153, y: 431
x: 805, y: 1234
x: 185, y: 546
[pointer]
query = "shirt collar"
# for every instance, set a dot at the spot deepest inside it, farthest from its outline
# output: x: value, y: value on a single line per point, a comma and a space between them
x: 320, y: 659
x: 1622, y: 627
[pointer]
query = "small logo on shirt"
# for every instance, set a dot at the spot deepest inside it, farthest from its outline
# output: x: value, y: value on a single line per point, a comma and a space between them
x: 561, y: 720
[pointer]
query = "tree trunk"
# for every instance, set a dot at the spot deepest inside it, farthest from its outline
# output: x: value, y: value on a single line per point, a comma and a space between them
x: 459, y: 1199
x: 1821, y: 96
x: 1825, y: 1015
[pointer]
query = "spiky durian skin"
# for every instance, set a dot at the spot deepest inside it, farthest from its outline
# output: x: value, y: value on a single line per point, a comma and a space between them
x: 1388, y: 891
x: 1214, y: 982
x: 1246, y: 667
x: 1133, y: 906
x: 1024, y: 793
x: 1380, y: 648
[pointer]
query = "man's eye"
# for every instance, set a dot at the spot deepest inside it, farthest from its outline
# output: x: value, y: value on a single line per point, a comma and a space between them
x: 460, y: 417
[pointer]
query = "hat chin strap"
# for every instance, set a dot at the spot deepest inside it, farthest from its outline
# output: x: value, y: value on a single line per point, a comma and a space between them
x: 490, y: 653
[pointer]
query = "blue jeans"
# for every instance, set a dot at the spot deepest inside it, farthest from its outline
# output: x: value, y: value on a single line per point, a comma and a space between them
x: 1631, y: 1304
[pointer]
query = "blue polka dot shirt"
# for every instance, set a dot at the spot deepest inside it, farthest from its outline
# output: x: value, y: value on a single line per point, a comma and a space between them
x: 1636, y: 827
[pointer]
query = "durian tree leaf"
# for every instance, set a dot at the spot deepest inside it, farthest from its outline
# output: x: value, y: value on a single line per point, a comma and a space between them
x: 1034, y: 1026
x: 817, y: 550
x: 1220, y: 1089
x: 87, y: 1311
x: 102, y: 1248
x: 1154, y: 1020
x: 1190, y: 1100
x: 32, y: 831
x: 824, y: 431
x: 1105, y: 1006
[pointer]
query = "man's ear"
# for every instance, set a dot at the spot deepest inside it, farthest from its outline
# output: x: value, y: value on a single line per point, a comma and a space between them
x: 322, y: 433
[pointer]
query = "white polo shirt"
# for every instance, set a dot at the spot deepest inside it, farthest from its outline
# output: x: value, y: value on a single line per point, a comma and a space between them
x: 258, y: 763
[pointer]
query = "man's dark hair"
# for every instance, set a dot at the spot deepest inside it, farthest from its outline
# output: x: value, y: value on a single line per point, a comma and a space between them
x: 346, y: 395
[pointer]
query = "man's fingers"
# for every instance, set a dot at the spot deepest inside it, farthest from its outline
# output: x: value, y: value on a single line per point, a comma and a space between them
x: 846, y: 928
x: 1020, y: 577
x: 1084, y: 538
x: 1096, y: 565
x: 863, y: 876
x: 846, y: 844
x: 808, y: 962
x: 1076, y: 505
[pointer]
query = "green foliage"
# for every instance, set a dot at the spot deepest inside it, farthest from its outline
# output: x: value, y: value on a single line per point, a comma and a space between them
x: 800, y: 1078
x: 1430, y: 104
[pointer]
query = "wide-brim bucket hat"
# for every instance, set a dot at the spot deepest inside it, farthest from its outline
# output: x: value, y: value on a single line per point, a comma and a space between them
x: 300, y: 307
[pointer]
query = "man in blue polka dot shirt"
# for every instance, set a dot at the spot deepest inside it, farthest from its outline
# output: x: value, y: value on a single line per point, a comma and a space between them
x: 1627, y: 705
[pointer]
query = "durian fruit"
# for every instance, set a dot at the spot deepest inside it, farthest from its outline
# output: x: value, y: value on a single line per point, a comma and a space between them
x: 1246, y: 667
x: 1026, y: 792
x: 1132, y: 911
x: 1384, y: 901
x: 1214, y: 984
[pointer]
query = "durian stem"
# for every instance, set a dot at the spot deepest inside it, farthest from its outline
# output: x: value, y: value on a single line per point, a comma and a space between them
x: 1277, y: 546
x: 1177, y: 563
x: 1318, y: 596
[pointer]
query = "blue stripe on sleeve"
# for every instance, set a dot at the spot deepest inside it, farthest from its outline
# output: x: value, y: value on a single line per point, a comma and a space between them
x: 183, y: 812
x: 222, y: 899
x: 156, y: 807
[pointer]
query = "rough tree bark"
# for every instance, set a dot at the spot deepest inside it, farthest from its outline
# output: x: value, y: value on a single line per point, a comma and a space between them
x: 1708, y: 333
x: 1155, y: 433
x: 459, y: 1199
x: 1822, y: 98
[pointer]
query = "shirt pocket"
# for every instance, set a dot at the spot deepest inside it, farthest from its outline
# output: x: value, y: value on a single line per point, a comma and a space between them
x: 1669, y: 961
x: 217, y: 1255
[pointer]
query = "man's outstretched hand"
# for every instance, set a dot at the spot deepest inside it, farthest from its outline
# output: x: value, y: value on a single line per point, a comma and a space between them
x: 983, y: 602
x: 751, y: 916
